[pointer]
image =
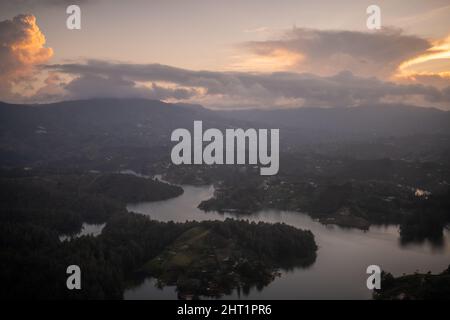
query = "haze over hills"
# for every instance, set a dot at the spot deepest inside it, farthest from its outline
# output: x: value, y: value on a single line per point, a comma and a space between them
x: 95, y: 128
x: 99, y: 114
x: 55, y: 131
x: 380, y: 120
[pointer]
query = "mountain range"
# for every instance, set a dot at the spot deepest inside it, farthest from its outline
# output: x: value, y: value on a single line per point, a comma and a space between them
x: 117, y: 129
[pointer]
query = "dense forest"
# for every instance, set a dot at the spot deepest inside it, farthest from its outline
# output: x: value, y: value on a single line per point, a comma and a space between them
x: 214, y: 258
x: 37, y: 207
x: 64, y: 200
x: 415, y: 287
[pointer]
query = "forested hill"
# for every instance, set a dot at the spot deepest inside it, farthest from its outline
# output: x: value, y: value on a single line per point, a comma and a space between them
x: 106, y: 133
x: 380, y: 120
x: 96, y: 130
x: 37, y: 207
x: 62, y: 201
x: 415, y: 286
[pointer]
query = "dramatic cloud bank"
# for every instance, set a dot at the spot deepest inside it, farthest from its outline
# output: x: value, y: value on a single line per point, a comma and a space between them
x: 22, y: 48
x: 326, y: 69
x: 326, y: 52
x: 241, y: 89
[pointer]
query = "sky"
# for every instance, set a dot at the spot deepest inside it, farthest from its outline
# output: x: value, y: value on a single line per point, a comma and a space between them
x: 228, y: 54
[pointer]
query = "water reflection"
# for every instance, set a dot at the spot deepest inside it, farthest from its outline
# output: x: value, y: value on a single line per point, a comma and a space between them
x: 342, y: 258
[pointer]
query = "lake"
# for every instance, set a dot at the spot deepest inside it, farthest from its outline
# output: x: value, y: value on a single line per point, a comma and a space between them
x: 342, y: 258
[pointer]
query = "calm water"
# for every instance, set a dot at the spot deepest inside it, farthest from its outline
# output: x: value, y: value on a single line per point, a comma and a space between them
x: 342, y: 258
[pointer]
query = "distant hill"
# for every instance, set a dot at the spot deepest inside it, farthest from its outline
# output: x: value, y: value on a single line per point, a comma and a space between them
x: 91, y: 128
x: 379, y: 120
x: 119, y: 131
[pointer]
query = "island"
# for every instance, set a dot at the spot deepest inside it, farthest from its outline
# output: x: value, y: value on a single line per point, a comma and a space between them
x: 212, y: 258
x: 415, y: 286
x: 208, y: 258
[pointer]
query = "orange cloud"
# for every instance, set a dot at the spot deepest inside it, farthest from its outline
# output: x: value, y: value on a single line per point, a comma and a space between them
x: 434, y: 62
x: 327, y: 52
x: 440, y: 50
x: 275, y: 60
x: 22, y: 48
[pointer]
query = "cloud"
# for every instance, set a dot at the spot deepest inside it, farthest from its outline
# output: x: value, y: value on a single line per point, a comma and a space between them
x: 114, y: 86
x: 52, y: 90
x: 344, y: 83
x: 432, y: 61
x: 242, y: 89
x: 326, y: 52
x: 439, y: 80
x: 21, y: 49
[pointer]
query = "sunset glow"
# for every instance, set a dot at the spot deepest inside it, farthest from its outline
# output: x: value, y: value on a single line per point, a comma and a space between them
x: 277, y: 60
x: 439, y: 53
